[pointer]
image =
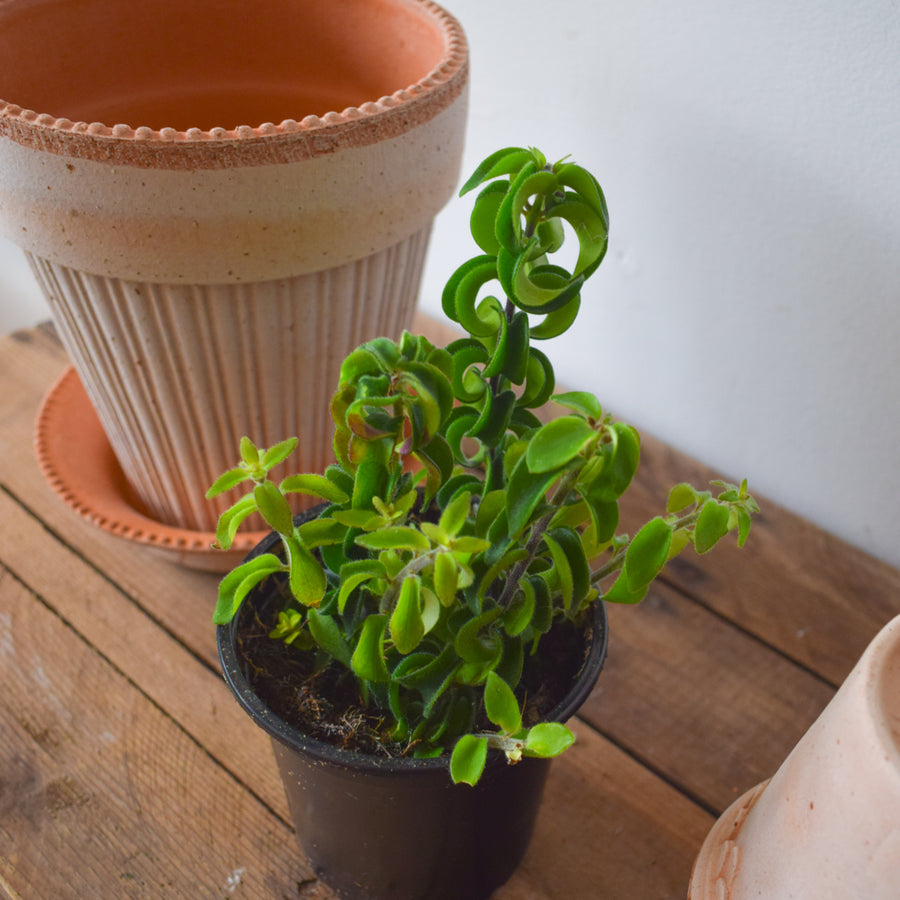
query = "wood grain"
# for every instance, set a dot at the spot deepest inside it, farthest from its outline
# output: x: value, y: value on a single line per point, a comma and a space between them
x: 191, y: 692
x: 104, y: 795
x: 699, y: 701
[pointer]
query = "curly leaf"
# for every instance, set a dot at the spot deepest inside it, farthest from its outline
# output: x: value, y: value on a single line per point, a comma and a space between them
x: 473, y: 641
x: 230, y: 520
x: 327, y: 634
x: 368, y: 657
x: 406, y: 625
x: 571, y: 565
x: 484, y: 216
x: 314, y: 486
x: 307, y: 577
x: 235, y: 586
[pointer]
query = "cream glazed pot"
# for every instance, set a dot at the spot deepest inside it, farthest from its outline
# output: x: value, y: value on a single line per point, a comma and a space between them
x: 220, y: 200
x: 827, y: 825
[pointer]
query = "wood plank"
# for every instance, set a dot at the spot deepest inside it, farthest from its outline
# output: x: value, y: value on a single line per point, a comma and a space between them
x: 189, y: 690
x: 804, y: 591
x: 701, y: 702
x: 609, y: 829
x: 102, y: 794
x: 181, y: 599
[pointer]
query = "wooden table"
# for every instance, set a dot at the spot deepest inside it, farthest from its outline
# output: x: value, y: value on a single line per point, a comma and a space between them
x: 127, y: 770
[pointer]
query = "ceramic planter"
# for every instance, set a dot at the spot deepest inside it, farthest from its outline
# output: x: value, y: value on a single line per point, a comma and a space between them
x: 828, y: 822
x: 378, y: 828
x: 220, y: 203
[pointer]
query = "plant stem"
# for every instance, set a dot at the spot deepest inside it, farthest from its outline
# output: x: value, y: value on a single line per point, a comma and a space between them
x: 536, y: 536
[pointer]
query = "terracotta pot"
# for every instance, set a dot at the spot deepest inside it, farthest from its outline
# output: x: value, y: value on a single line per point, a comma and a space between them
x: 828, y: 823
x: 212, y: 232
x: 378, y: 828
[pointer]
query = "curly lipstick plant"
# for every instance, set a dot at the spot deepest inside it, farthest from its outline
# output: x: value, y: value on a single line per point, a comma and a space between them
x: 457, y: 529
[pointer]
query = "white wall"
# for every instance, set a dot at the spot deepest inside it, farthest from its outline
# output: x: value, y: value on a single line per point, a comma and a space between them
x: 748, y: 309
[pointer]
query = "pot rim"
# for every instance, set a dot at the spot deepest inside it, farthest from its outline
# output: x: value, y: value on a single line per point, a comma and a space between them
x: 370, y: 122
x: 297, y: 741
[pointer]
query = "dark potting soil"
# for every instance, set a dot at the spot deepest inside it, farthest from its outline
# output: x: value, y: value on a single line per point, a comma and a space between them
x: 324, y: 703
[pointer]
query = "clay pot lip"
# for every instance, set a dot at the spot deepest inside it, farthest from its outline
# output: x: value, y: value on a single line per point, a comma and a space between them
x: 370, y: 122
x: 75, y: 457
x: 880, y: 667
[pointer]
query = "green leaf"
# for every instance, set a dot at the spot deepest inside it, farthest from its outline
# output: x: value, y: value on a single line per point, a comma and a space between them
x: 681, y: 497
x: 548, y: 739
x: 406, y: 625
x: 455, y: 513
x: 232, y: 478
x: 525, y: 493
x: 500, y: 704
x: 472, y: 645
x: 571, y: 565
x: 501, y: 162
x: 557, y: 443
x: 327, y: 634
x: 249, y: 452
x: 581, y: 402
x: 470, y: 544
x: 235, y: 586
x: 468, y: 759
x: 230, y: 520
x: 620, y: 592
x: 446, y: 578
x: 321, y: 533
x: 396, y: 537
x: 274, y: 507
x: 279, y: 453
x: 712, y: 524
x: 307, y: 577
x: 618, y: 472
x: 368, y: 657
x: 314, y: 486
x: 744, y: 522
x: 354, y: 574
x: 484, y: 216
x: 647, y: 553
x: 520, y: 611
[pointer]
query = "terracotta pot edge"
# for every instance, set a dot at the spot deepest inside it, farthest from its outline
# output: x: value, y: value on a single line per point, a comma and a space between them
x: 288, y: 141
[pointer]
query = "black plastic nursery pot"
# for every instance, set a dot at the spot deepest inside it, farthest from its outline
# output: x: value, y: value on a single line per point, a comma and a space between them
x: 380, y: 828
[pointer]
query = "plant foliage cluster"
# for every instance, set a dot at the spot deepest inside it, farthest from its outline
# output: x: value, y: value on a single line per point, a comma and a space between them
x: 458, y: 528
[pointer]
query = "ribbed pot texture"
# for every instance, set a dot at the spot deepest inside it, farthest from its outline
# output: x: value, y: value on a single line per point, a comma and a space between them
x: 220, y: 206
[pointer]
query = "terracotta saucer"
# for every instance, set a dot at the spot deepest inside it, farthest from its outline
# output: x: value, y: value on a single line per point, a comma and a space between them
x: 78, y: 462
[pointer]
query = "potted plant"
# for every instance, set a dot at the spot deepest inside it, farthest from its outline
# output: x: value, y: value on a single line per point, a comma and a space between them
x: 461, y: 559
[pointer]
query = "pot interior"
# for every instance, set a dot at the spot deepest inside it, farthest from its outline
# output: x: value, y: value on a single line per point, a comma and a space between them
x: 211, y: 63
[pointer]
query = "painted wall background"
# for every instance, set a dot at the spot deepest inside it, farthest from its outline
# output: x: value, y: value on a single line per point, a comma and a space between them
x: 748, y: 311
